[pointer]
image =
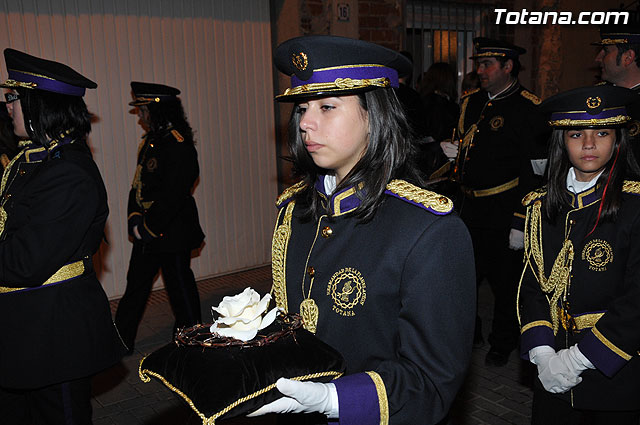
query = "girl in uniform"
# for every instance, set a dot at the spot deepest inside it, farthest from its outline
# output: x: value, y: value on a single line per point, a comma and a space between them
x: 377, y: 266
x: 579, y: 297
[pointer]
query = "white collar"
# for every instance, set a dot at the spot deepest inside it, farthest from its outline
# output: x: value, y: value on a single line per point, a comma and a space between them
x: 329, y: 184
x: 576, y: 186
x: 502, y: 91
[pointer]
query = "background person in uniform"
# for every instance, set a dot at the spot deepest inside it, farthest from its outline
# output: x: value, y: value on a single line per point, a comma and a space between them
x: 580, y: 292
x: 440, y: 114
x: 500, y: 131
x: 411, y: 101
x: 619, y: 62
x: 379, y: 268
x: 470, y: 82
x: 55, y: 319
x: 162, y: 215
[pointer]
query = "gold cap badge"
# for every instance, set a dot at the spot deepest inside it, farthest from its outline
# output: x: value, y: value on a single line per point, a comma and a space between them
x: 300, y: 61
x: 593, y: 102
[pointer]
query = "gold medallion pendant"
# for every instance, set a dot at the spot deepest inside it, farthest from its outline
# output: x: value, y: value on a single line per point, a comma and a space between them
x: 309, y: 313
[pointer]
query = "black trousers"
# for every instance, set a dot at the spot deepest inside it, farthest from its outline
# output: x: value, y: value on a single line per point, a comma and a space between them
x: 552, y: 410
x: 501, y: 266
x: 178, y: 281
x: 68, y: 403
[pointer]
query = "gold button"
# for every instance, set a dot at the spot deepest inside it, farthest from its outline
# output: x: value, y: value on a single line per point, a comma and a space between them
x: 7, y: 196
x: 151, y: 144
x: 311, y: 271
x: 489, y: 104
x: 572, y: 222
x: 22, y: 172
x: 443, y: 200
x: 327, y: 232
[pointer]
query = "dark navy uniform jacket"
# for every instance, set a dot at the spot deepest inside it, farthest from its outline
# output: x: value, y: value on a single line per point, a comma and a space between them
x: 500, y: 137
x: 160, y: 200
x: 56, y: 207
x: 602, y: 309
x: 396, y: 297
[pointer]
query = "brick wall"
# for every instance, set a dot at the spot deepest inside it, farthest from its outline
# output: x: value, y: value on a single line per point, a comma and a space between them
x: 381, y: 22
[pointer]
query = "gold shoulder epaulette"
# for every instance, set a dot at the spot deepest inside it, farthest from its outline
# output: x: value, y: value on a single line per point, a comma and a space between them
x: 532, y: 97
x: 177, y: 135
x: 431, y: 201
x: 289, y: 192
x: 601, y: 83
x: 631, y: 186
x: 532, y: 196
x: 469, y: 93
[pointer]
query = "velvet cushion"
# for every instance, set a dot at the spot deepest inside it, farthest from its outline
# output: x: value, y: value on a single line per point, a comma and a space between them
x: 225, y: 382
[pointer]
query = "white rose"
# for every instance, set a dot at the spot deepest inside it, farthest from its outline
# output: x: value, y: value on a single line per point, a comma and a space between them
x: 241, y: 316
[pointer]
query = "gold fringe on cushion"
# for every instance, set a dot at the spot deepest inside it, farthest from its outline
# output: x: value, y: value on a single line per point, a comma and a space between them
x: 145, y: 374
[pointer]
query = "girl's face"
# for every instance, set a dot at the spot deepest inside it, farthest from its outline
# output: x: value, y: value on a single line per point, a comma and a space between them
x: 589, y: 150
x: 335, y: 131
x: 14, y: 109
x: 144, y: 118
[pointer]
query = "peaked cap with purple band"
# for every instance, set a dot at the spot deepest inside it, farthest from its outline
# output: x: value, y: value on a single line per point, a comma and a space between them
x: 145, y: 93
x: 488, y: 47
x: 31, y: 72
x: 613, y: 34
x: 325, y: 65
x: 594, y: 106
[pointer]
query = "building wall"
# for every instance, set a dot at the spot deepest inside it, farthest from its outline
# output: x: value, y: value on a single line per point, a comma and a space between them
x: 218, y: 55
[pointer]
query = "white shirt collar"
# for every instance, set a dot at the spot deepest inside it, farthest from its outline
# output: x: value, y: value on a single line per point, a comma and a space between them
x: 329, y: 184
x: 503, y: 90
x: 576, y: 186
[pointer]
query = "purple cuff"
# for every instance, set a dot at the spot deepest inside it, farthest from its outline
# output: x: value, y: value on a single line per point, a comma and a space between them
x: 602, y: 357
x: 533, y: 337
x: 48, y: 84
x: 358, y: 400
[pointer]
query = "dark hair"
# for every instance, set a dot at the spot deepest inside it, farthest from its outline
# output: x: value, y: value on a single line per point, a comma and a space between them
x: 47, y: 115
x: 440, y: 77
x: 163, y: 115
x: 388, y: 156
x: 8, y: 140
x: 559, y: 164
x: 515, y: 70
x: 470, y: 81
x: 628, y: 46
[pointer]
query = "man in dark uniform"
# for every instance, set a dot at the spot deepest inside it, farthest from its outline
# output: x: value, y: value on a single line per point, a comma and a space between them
x: 497, y: 163
x: 619, y: 61
x: 162, y: 215
x: 55, y: 319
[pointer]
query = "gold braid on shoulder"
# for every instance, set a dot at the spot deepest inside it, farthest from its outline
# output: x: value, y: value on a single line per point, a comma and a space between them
x: 279, y: 245
x: 557, y: 283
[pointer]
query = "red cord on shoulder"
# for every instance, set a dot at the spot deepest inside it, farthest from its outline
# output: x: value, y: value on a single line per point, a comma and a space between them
x: 604, y: 192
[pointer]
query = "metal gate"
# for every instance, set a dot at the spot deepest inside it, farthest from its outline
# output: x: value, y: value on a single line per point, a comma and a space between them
x: 439, y: 31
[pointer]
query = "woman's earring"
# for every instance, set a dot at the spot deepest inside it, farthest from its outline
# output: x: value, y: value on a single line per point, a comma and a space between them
x: 31, y: 127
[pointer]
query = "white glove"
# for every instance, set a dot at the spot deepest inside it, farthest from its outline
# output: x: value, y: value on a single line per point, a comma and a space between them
x: 450, y: 149
x: 516, y: 240
x: 303, y: 397
x: 561, y: 371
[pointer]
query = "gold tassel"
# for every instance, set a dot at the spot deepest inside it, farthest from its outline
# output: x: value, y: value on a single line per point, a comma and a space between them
x: 558, y: 281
